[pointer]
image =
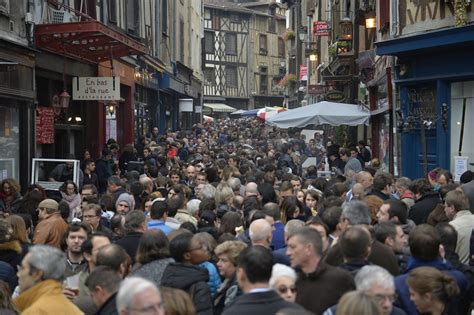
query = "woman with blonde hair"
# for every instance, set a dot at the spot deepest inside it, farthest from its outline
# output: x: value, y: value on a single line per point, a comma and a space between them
x: 177, y: 302
x: 224, y: 195
x: 357, y: 303
x: 432, y: 290
x: 227, y: 254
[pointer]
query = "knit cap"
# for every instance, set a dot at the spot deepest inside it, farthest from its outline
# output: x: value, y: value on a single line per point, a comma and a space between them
x: 126, y: 197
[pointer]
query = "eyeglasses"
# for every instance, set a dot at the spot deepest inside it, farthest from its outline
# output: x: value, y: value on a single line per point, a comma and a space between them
x: 196, y: 248
x: 383, y: 297
x: 283, y: 289
x: 150, y: 309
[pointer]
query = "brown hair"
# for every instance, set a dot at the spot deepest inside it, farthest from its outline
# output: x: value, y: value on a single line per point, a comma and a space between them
x: 457, y: 199
x: 14, y: 186
x: 19, y: 228
x: 425, y: 280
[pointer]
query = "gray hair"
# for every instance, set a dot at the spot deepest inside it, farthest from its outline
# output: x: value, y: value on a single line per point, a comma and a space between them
x: 130, y: 287
x: 370, y: 275
x: 234, y: 183
x: 134, y: 219
x: 403, y: 182
x: 50, y: 260
x: 292, y: 227
x: 208, y: 191
x: 193, y: 206
x: 280, y: 270
x: 356, y: 212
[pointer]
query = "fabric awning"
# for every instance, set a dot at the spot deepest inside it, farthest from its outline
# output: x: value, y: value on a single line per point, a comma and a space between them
x: 89, y: 41
x: 219, y: 107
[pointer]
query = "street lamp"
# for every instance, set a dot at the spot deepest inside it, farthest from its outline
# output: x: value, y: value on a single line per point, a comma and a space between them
x: 370, y: 20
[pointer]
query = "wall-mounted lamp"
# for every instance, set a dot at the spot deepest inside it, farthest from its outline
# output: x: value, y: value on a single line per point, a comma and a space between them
x: 370, y: 20
x: 302, y: 32
x: 313, y: 56
x: 75, y: 119
x: 110, y: 106
x: 345, y: 29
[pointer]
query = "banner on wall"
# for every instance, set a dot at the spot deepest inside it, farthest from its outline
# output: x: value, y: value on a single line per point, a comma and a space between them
x: 44, y: 125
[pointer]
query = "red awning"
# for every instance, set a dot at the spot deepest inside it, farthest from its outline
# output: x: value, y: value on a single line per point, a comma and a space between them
x: 89, y: 41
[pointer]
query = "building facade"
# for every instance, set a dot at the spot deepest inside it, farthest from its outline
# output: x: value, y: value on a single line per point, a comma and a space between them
x: 433, y: 75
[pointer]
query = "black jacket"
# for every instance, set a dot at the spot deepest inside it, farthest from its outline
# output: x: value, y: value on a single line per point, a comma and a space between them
x: 422, y: 208
x: 130, y: 243
x: 109, y: 307
x: 261, y: 303
x: 193, y: 280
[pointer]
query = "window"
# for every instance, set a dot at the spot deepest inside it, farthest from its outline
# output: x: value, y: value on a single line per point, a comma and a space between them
x: 272, y: 25
x: 281, y: 48
x: 207, y: 14
x: 234, y: 18
x: 181, y: 40
x: 231, y: 44
x: 209, y: 42
x: 112, y: 8
x: 210, y: 76
x: 263, y: 44
x: 164, y: 16
x: 132, y: 16
x: 263, y: 80
x: 231, y: 76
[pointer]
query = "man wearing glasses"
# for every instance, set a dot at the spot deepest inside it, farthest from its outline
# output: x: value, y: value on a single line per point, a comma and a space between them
x: 51, y: 228
x: 91, y: 215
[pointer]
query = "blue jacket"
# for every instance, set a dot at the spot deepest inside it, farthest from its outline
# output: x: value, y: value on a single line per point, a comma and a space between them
x: 403, y: 301
x: 214, y: 278
x: 278, y: 237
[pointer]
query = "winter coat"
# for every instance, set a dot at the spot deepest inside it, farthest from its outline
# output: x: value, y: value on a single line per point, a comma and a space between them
x: 109, y: 307
x: 13, y: 206
x: 327, y: 283
x: 380, y: 255
x: 12, y: 253
x: 103, y: 169
x: 422, y: 208
x: 50, y: 231
x: 153, y: 271
x: 261, y: 303
x: 130, y: 243
x: 214, y: 277
x: 226, y: 294
x: 457, y: 305
x: 193, y: 280
x: 45, y: 297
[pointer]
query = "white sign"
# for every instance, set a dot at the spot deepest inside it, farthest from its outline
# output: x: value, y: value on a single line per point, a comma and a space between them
x: 186, y: 105
x: 460, y: 166
x: 96, y: 88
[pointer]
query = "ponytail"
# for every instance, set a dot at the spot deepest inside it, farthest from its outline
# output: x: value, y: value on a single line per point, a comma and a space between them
x: 450, y: 288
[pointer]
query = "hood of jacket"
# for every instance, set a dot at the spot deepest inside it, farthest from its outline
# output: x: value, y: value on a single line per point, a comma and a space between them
x: 182, y: 276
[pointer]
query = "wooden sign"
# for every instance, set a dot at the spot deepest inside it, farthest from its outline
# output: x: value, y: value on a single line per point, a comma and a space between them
x: 335, y: 96
x: 96, y: 88
x: 44, y: 125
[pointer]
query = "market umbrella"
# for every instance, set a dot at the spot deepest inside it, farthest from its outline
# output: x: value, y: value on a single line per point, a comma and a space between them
x: 267, y: 112
x: 330, y: 113
x: 207, y: 118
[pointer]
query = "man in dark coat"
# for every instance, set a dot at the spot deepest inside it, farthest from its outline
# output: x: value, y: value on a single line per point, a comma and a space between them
x: 319, y: 285
x: 103, y: 169
x: 356, y: 213
x: 135, y: 226
x: 426, y: 201
x: 254, y: 269
x: 103, y: 283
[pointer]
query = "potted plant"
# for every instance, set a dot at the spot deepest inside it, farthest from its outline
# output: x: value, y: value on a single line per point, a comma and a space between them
x: 289, y: 35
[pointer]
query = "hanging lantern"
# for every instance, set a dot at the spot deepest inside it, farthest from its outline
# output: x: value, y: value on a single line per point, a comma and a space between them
x: 64, y: 99
x: 345, y: 29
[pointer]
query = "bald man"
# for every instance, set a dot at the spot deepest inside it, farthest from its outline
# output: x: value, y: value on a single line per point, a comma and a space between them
x: 260, y: 232
x: 251, y: 189
x: 366, y: 180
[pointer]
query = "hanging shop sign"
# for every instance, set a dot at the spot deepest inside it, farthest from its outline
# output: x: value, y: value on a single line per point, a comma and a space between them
x: 96, y: 88
x: 321, y: 28
x: 335, y: 96
x: 303, y: 72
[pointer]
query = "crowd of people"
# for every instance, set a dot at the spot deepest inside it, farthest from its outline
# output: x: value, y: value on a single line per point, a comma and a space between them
x: 224, y: 219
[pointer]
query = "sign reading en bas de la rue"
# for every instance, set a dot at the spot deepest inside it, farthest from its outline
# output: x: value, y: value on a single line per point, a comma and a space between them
x: 96, y: 88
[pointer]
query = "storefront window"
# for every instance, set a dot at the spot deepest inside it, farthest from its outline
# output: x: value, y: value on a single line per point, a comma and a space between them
x: 459, y: 92
x: 9, y: 142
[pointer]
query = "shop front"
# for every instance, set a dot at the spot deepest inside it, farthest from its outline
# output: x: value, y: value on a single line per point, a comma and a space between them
x: 17, y: 113
x: 434, y: 80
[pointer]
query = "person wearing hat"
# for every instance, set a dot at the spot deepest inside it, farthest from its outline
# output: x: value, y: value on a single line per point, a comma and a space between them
x: 125, y: 203
x: 51, y: 228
